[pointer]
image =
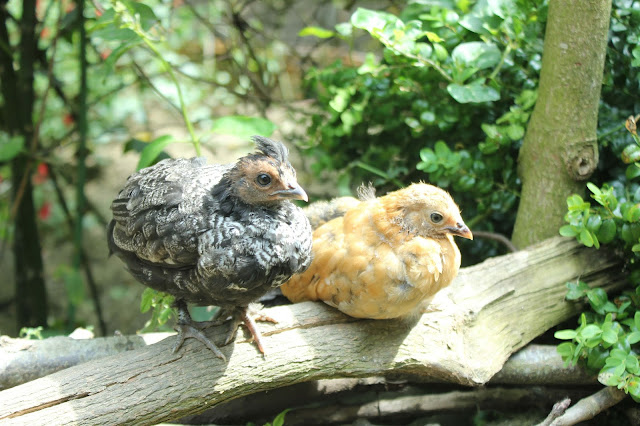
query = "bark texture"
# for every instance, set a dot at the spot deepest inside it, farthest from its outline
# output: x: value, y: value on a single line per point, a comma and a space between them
x: 560, y: 149
x: 490, y: 311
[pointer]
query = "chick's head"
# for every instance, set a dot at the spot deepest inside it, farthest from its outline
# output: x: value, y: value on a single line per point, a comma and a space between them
x: 427, y: 211
x: 267, y: 176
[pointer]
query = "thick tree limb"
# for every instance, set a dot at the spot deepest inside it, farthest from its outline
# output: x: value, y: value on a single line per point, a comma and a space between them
x: 345, y: 400
x: 23, y: 360
x: 490, y: 311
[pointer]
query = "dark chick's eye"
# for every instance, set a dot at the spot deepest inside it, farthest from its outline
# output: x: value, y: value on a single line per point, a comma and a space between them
x: 263, y: 179
x: 436, y: 217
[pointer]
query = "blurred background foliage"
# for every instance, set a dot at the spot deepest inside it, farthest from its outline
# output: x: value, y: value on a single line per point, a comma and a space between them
x: 389, y: 92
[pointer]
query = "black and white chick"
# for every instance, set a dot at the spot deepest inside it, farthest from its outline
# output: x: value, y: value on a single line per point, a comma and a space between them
x: 220, y: 235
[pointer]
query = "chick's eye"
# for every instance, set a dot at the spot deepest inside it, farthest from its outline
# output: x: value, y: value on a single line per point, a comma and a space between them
x: 436, y: 217
x: 263, y: 179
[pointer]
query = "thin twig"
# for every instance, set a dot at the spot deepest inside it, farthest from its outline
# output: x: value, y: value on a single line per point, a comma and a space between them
x: 558, y: 409
x: 93, y: 288
x: 587, y: 408
x: 496, y: 237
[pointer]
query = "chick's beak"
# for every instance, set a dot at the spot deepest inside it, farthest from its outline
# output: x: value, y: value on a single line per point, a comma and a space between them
x: 293, y: 192
x: 461, y: 230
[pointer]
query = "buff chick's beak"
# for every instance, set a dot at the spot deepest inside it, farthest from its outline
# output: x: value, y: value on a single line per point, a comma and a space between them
x: 461, y: 230
x: 294, y: 192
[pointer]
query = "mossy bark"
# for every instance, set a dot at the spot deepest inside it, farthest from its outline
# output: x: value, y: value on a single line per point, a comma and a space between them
x: 560, y: 149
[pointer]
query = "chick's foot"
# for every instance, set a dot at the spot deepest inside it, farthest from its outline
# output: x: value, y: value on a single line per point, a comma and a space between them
x: 246, y: 315
x: 186, y: 328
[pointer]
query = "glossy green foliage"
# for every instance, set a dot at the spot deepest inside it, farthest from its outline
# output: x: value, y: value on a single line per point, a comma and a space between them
x: 445, y: 99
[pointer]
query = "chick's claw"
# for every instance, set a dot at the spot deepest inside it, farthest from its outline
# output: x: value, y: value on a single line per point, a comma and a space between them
x: 186, y: 330
x: 245, y: 315
x: 187, y: 327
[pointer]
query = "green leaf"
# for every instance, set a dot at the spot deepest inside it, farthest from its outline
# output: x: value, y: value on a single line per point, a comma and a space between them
x: 633, y: 337
x: 474, y: 24
x: 631, y: 362
x: 113, y: 32
x: 243, y: 126
x: 607, y: 231
x: 503, y: 8
x: 279, y: 419
x: 429, y: 163
x: 371, y: 20
x: 316, y: 32
x: 632, y: 214
x: 593, y: 188
x: 566, y: 350
x: 586, y: 238
x: 476, y: 54
x: 575, y: 202
x: 633, y: 387
x: 633, y: 171
x: 576, y: 290
x: 590, y: 331
x: 597, y: 297
x: 10, y: 146
x: 565, y: 334
x: 442, y: 149
x: 631, y: 154
x: 146, y: 300
x: 515, y: 132
x: 144, y: 13
x: 440, y: 51
x: 610, y: 376
x: 610, y: 336
x: 618, y: 354
x: 344, y: 29
x: 110, y: 63
x: 472, y: 93
x: 568, y: 231
x: 153, y: 150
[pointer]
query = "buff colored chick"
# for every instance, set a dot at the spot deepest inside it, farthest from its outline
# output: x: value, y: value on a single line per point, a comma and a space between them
x: 386, y: 257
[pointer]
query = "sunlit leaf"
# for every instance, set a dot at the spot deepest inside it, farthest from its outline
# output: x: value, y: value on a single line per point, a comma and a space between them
x: 472, y: 93
x: 476, y: 54
x: 153, y: 149
x: 243, y: 126
x: 10, y: 146
x: 316, y: 32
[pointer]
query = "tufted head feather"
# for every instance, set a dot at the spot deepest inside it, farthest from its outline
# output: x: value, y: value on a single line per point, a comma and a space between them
x: 270, y: 148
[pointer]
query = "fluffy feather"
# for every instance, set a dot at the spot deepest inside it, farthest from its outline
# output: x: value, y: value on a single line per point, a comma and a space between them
x: 386, y: 256
x: 213, y: 234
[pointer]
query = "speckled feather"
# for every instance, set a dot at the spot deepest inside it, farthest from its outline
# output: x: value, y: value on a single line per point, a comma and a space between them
x: 185, y: 228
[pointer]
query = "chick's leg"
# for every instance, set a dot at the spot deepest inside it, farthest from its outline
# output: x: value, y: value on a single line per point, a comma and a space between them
x: 186, y: 328
x: 244, y: 315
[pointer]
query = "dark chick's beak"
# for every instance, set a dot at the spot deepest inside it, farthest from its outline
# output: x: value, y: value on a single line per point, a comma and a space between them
x: 294, y: 192
x: 461, y: 230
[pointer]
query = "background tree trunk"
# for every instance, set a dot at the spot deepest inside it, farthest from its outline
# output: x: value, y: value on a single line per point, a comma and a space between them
x: 560, y: 148
x: 17, y: 112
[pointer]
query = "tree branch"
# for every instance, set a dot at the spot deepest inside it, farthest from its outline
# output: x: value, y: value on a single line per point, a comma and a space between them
x: 588, y: 408
x: 490, y: 311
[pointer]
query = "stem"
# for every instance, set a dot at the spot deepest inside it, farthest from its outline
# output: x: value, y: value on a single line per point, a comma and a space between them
x: 183, y: 107
x: 81, y: 154
x: 378, y: 172
x: 495, y: 71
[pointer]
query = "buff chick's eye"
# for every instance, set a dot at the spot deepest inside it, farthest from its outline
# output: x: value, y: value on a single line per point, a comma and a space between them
x: 436, y: 217
x: 263, y: 179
